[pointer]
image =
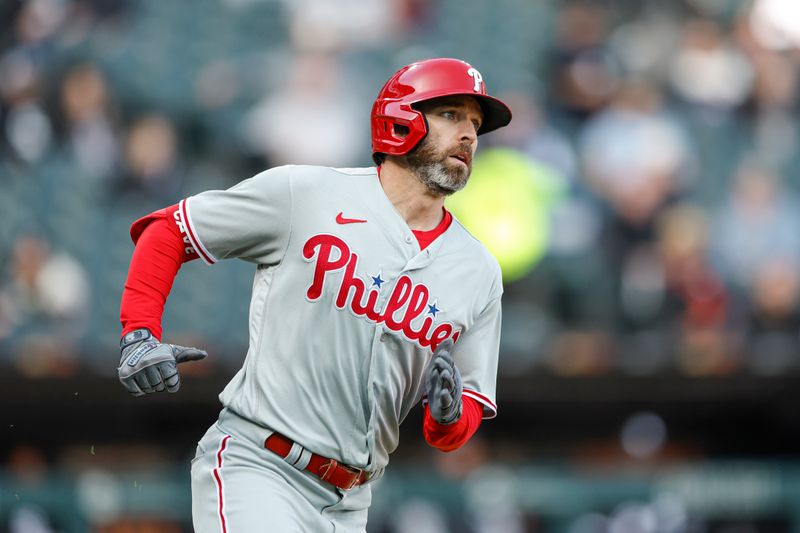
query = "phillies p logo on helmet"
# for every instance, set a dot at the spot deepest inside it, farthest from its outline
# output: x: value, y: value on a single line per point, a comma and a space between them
x: 477, y: 77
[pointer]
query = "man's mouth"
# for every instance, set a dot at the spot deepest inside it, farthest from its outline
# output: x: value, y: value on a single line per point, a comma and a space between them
x: 464, y: 157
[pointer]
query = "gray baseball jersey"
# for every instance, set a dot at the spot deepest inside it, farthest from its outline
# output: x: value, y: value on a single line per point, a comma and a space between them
x: 346, y: 309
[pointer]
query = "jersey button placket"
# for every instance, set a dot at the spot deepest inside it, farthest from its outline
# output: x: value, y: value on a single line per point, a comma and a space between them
x: 372, y: 420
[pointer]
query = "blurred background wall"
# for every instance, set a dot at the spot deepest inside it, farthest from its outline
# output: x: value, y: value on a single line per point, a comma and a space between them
x: 643, y: 204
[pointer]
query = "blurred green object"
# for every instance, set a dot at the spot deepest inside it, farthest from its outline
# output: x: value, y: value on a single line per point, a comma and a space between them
x: 507, y: 205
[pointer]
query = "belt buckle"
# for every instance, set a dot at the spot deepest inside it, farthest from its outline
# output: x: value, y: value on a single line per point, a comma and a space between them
x: 356, y: 475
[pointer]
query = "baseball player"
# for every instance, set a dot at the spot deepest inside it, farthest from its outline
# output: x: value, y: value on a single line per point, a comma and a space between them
x: 368, y: 297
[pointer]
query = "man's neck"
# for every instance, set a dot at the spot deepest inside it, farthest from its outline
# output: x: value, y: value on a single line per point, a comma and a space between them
x: 421, y: 209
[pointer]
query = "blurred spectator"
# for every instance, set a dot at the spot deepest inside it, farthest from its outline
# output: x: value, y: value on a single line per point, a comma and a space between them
x: 774, y: 23
x: 708, y: 71
x: 491, y: 495
x: 531, y: 133
x: 646, y: 44
x: 670, y: 296
x: 697, y: 303
x: 418, y: 516
x: 44, y: 298
x: 584, y: 73
x: 27, y: 466
x: 775, y: 91
x: 29, y: 519
x: 583, y: 352
x: 8, y: 15
x: 323, y: 26
x: 313, y: 119
x: 37, y: 21
x: 636, y: 159
x: 152, y: 166
x: 774, y: 318
x: 775, y: 128
x: 28, y: 473
x: 683, y: 242
x: 89, y: 127
x: 25, y: 128
x: 464, y: 462
x: 29, y: 36
x: 635, y: 155
x: 757, y: 224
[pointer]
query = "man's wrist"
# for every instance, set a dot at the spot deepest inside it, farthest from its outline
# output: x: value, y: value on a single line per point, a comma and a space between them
x: 135, y: 336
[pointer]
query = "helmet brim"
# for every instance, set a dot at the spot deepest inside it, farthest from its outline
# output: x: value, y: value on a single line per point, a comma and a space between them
x: 496, y: 114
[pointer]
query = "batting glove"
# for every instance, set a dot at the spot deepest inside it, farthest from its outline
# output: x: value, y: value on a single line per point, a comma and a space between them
x: 444, y: 385
x: 149, y: 366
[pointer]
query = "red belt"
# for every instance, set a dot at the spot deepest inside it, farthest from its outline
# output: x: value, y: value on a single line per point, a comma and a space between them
x: 343, y: 476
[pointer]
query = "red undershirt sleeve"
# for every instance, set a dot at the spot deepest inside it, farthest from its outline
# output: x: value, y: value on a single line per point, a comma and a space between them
x: 452, y: 436
x: 160, y: 251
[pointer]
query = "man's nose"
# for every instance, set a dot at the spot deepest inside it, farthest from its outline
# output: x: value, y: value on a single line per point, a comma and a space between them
x: 467, y: 131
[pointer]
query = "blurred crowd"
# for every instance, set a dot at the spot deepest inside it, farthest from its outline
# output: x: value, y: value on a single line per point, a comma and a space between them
x: 671, y: 125
x: 679, y: 139
x: 674, y: 246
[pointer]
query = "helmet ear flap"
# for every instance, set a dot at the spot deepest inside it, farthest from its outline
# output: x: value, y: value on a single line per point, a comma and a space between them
x: 390, y: 141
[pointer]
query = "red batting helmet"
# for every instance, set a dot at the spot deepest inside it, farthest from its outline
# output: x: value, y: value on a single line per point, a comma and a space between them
x: 422, y: 81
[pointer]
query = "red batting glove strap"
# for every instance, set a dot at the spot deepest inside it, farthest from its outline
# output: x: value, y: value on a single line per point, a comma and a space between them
x: 450, y: 437
x: 160, y: 251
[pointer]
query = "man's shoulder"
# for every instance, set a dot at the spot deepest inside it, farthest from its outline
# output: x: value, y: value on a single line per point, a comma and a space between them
x: 356, y: 171
x: 312, y: 172
x: 310, y: 179
x: 315, y: 171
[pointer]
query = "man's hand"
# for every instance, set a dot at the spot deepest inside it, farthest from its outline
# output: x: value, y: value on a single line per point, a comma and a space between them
x: 148, y: 366
x: 443, y: 385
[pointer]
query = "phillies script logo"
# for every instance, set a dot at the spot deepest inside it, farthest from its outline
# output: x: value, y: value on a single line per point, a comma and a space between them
x: 406, y: 302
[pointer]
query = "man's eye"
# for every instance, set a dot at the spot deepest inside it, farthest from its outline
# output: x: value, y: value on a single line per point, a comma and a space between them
x: 476, y: 124
x: 448, y: 114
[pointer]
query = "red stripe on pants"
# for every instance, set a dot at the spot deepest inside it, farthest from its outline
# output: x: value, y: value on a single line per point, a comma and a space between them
x: 218, y: 480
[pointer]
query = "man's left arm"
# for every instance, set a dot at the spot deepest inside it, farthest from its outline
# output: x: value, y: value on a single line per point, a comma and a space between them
x: 449, y: 437
x: 468, y: 370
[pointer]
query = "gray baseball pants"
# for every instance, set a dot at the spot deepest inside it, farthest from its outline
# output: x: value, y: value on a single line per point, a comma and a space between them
x: 238, y: 486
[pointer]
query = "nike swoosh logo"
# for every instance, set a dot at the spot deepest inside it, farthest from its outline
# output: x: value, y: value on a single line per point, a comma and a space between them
x: 341, y: 220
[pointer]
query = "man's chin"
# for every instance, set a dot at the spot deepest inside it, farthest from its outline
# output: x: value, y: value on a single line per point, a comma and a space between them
x: 447, y: 188
x: 458, y: 181
x: 443, y: 178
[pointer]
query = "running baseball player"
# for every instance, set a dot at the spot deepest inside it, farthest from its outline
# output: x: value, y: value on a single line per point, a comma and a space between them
x: 368, y: 297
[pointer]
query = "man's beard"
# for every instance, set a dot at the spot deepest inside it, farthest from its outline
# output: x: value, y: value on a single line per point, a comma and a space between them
x: 432, y: 169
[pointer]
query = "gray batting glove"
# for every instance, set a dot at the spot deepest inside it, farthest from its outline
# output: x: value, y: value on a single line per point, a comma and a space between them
x: 443, y: 384
x: 149, y: 366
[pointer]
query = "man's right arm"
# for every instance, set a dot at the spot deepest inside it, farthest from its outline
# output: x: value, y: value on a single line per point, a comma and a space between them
x: 160, y: 251
x: 147, y: 365
x: 251, y: 221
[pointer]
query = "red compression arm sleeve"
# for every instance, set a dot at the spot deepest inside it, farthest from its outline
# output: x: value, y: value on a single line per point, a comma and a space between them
x: 160, y: 251
x: 452, y: 436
